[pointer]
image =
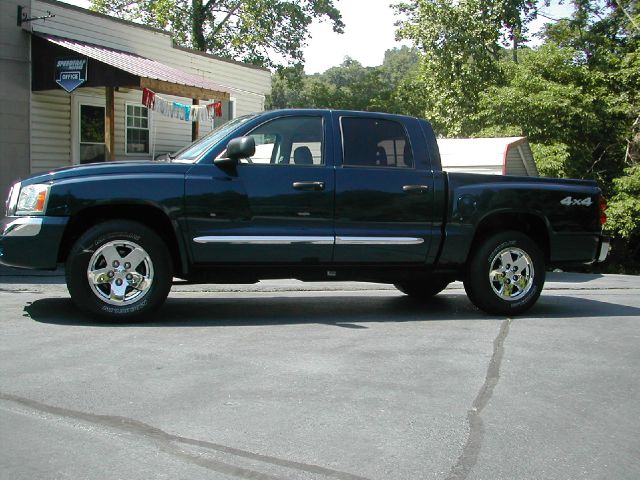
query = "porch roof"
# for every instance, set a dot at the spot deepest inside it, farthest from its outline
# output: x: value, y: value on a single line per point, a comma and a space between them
x: 142, y: 71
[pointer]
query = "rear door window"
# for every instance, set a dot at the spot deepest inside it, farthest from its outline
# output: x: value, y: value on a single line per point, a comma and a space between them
x: 375, y: 142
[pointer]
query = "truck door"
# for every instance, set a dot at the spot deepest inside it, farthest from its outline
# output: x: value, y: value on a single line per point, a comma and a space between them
x: 384, y: 191
x: 276, y: 207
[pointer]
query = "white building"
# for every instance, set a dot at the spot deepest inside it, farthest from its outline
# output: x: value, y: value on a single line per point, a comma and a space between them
x: 43, y: 126
x: 494, y: 156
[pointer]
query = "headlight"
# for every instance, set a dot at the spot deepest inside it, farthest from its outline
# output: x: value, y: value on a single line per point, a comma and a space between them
x: 12, y: 200
x: 33, y: 200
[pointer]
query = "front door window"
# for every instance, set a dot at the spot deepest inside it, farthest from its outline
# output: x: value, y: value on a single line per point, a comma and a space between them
x: 92, y: 145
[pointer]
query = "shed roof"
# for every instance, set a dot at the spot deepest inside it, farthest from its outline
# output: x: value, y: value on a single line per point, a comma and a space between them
x: 163, y: 78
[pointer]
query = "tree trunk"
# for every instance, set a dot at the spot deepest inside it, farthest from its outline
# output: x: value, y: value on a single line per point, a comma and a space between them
x: 197, y: 22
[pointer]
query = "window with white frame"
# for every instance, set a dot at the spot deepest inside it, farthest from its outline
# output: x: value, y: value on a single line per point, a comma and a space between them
x: 228, y: 113
x: 137, y: 129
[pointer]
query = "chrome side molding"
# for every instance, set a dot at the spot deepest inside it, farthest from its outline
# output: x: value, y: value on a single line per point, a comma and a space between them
x: 265, y: 240
x: 308, y: 240
x: 378, y: 241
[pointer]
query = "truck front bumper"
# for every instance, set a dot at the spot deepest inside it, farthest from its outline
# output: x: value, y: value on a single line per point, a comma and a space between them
x: 31, y: 242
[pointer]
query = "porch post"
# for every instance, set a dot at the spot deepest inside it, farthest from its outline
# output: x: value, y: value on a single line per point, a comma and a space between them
x: 109, y: 124
x: 195, y: 126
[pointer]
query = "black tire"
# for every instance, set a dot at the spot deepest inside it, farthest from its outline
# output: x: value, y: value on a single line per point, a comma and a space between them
x: 423, y: 289
x: 119, y: 293
x: 491, y: 282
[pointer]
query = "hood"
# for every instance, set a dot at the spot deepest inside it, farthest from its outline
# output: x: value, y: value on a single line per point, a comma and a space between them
x: 108, y: 168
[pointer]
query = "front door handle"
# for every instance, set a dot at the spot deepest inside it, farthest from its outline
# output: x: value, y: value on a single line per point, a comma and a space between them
x: 314, y: 186
x: 415, y: 188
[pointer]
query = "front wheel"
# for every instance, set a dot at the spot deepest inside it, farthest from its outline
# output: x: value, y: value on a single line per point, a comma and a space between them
x: 119, y: 270
x: 506, y: 274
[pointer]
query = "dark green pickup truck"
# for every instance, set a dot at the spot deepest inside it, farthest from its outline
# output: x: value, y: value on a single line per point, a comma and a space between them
x: 307, y: 194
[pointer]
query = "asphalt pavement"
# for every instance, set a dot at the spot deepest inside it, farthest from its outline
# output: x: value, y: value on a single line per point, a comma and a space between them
x: 293, y: 380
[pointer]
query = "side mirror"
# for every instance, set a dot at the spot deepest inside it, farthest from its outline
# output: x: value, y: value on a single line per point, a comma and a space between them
x: 237, y: 148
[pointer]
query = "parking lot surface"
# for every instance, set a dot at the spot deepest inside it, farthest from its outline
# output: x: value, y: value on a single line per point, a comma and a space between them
x: 285, y: 380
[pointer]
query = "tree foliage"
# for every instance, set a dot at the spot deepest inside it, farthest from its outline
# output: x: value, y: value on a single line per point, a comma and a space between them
x: 349, y: 86
x: 462, y: 42
x: 560, y: 103
x: 262, y: 32
x: 624, y: 208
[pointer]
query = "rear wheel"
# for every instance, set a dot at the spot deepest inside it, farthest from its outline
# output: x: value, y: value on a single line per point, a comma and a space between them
x: 506, y: 274
x: 119, y: 270
x: 423, y: 289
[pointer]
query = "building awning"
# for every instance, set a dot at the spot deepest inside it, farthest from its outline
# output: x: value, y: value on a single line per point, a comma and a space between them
x: 132, y: 70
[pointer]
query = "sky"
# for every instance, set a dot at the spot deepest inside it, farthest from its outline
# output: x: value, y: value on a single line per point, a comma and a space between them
x: 368, y: 33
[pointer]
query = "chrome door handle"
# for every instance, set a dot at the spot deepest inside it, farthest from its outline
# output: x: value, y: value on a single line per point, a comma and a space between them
x: 315, y: 186
x: 415, y: 188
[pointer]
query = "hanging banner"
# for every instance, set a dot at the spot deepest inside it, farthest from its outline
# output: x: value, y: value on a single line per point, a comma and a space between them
x: 71, y: 72
x: 188, y: 113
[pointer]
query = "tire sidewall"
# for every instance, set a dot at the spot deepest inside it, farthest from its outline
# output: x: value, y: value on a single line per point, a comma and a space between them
x: 477, y: 282
x: 78, y: 262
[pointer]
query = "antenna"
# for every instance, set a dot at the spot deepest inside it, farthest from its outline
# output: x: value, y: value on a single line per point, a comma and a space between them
x: 23, y: 15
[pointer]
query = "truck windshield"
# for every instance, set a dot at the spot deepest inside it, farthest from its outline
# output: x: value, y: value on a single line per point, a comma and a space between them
x: 193, y: 151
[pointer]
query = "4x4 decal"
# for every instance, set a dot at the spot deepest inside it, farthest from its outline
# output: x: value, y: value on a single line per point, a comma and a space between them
x: 580, y: 202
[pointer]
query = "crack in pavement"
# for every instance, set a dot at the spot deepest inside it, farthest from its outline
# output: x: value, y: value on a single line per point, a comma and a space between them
x: 469, y: 456
x: 170, y: 443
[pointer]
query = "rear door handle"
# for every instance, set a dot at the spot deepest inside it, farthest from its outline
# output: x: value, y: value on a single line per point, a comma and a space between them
x: 415, y: 188
x: 315, y: 186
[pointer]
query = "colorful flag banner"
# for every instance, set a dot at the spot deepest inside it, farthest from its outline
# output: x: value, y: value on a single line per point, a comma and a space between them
x: 188, y: 113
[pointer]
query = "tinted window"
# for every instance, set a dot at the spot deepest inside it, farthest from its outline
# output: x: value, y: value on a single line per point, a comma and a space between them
x: 373, y: 142
x: 288, y: 141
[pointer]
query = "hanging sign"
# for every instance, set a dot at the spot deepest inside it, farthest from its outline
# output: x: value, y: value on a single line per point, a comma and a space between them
x: 71, y: 72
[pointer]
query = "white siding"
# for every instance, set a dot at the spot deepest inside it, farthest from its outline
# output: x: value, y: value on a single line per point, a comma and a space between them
x: 50, y: 130
x: 487, y: 155
x: 51, y: 111
x: 489, y: 170
x: 81, y: 25
x: 514, y: 163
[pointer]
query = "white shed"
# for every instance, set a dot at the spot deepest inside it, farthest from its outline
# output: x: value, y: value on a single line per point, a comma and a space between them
x: 493, y: 156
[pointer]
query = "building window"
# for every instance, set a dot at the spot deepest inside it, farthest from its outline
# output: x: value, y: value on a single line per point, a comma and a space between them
x: 137, y: 129
x: 92, y: 146
x: 228, y: 113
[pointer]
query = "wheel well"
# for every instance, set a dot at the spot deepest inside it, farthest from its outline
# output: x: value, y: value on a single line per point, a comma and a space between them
x: 529, y: 224
x: 149, y: 216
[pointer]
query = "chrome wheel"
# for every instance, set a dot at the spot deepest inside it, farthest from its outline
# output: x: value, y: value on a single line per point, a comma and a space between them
x: 511, y: 275
x: 120, y: 272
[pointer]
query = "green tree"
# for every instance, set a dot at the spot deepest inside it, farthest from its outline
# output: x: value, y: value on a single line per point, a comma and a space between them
x: 254, y: 31
x: 561, y: 104
x: 462, y: 42
x: 349, y: 86
x: 624, y: 207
